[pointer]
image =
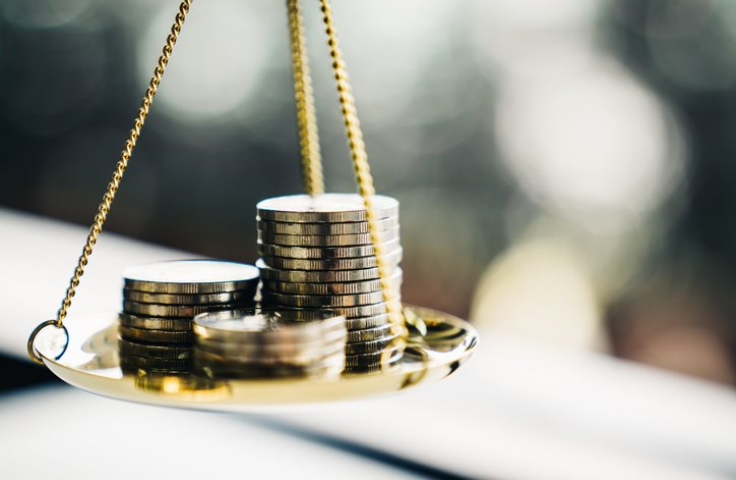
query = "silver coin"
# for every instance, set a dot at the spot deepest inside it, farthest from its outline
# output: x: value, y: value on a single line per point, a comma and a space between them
x: 349, y: 228
x: 237, y: 296
x: 190, y: 277
x: 289, y: 338
x: 350, y: 288
x: 330, y: 207
x: 178, y: 311
x: 254, y: 354
x: 325, y: 240
x: 349, y: 313
x: 391, y: 260
x: 159, y: 352
x: 155, y: 336
x: 323, y: 253
x: 318, y: 301
x: 316, y: 276
x: 369, y: 334
x: 155, y: 323
x: 387, y: 355
x: 268, y: 326
x: 372, y: 346
x: 362, y: 323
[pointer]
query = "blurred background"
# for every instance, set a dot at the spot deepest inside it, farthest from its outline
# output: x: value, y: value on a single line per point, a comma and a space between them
x: 563, y: 167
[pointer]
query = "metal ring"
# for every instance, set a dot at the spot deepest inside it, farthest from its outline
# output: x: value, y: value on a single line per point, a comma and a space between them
x: 33, y: 353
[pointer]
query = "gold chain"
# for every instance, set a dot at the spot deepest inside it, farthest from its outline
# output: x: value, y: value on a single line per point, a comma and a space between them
x: 307, y: 120
x: 362, y: 169
x: 120, y: 168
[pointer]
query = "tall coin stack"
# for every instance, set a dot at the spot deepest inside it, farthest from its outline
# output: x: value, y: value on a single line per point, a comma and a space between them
x: 316, y: 253
x: 269, y: 344
x: 161, y: 299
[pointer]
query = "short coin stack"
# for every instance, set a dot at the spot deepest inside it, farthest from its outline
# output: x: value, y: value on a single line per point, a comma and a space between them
x: 269, y: 344
x: 316, y: 253
x: 161, y: 299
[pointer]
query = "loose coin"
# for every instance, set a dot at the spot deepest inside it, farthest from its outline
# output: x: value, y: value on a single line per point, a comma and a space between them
x: 190, y: 277
x: 325, y: 228
x: 336, y: 276
x: 179, y: 311
x: 237, y: 296
x: 392, y: 259
x: 158, y: 352
x: 373, y: 346
x: 324, y: 253
x: 155, y: 336
x: 325, y: 240
x: 155, y: 323
x: 317, y: 301
x: 350, y: 288
x: 331, y: 207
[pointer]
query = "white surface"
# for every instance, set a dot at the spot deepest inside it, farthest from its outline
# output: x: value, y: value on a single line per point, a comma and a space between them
x: 516, y: 411
x: 67, y: 434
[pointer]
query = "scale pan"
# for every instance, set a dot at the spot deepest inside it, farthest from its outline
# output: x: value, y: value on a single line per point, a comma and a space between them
x: 92, y: 361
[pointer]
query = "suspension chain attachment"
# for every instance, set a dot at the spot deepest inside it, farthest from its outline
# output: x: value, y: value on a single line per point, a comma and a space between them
x: 311, y: 156
x: 362, y: 169
x: 114, y: 185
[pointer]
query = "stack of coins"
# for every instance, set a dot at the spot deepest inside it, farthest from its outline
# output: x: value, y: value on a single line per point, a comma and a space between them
x: 269, y: 344
x: 316, y: 252
x: 161, y: 299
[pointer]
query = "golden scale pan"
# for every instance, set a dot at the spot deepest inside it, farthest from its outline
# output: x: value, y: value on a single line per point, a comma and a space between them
x: 88, y: 356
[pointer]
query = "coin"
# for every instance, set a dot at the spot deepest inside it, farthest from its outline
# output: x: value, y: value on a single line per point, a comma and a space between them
x: 372, y: 368
x: 369, y: 334
x: 349, y: 313
x: 350, y: 228
x: 190, y: 277
x: 316, y: 301
x: 289, y: 338
x: 268, y: 326
x: 361, y: 323
x: 155, y: 323
x: 331, y: 207
x: 324, y: 253
x: 237, y: 296
x: 391, y: 259
x: 325, y: 240
x: 224, y: 353
x: 155, y: 336
x: 341, y: 276
x: 159, y: 352
x: 349, y: 288
x: 373, y: 346
x: 180, y: 311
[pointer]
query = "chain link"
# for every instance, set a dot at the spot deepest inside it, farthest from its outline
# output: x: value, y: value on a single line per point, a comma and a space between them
x: 361, y: 167
x: 120, y: 167
x: 306, y: 118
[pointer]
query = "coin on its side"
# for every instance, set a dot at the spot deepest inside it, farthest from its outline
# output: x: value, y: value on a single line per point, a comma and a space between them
x: 391, y: 260
x: 179, y: 311
x: 155, y: 323
x: 348, y: 228
x: 237, y: 296
x: 330, y: 207
x: 324, y: 253
x: 327, y: 276
x: 325, y: 240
